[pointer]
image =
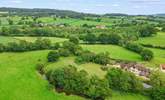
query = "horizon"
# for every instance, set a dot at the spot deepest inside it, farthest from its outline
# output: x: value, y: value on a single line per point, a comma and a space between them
x: 130, y: 7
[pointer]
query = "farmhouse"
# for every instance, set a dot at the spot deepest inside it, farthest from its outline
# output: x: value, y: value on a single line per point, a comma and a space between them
x: 100, y: 26
x: 162, y: 67
x: 135, y: 68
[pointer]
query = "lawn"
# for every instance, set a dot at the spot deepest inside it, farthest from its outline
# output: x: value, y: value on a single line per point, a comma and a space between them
x: 115, y: 52
x: 158, y: 40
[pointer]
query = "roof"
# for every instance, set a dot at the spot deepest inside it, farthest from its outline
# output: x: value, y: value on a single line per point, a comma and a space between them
x: 163, y: 66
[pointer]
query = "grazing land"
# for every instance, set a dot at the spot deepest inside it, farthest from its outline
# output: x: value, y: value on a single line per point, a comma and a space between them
x: 49, y: 54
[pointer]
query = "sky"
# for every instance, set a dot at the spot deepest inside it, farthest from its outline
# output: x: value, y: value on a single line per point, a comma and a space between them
x: 132, y: 7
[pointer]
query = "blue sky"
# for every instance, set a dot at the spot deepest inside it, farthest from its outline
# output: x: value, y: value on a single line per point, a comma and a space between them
x: 93, y: 6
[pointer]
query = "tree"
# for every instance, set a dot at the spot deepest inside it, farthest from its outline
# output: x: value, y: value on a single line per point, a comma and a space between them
x: 64, y: 52
x: 157, y: 79
x: 114, y: 38
x: 146, y: 30
x: 2, y: 48
x: 102, y: 58
x: 74, y: 39
x: 147, y: 55
x: 98, y: 88
x: 10, y: 22
x: 103, y: 38
x: 42, y: 44
x: 90, y: 38
x: 53, y: 56
x: 123, y: 81
x: 158, y: 93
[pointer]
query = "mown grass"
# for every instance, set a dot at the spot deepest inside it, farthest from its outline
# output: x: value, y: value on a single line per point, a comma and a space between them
x: 158, y: 40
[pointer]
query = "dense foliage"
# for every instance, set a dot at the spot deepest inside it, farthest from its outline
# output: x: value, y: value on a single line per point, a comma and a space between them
x: 72, y: 81
x: 123, y: 81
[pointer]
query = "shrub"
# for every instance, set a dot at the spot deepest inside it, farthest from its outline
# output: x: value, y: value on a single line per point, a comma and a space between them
x: 147, y: 55
x: 74, y: 39
x: 64, y: 52
x: 53, y: 56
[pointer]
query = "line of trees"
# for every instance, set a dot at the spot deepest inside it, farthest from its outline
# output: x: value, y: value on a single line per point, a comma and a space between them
x: 146, y: 54
x: 72, y: 81
x: 22, y: 46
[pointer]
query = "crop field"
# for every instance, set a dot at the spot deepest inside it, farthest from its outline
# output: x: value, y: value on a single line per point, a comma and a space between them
x: 158, y: 40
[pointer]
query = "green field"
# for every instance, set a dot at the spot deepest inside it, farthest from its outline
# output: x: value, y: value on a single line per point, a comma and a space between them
x: 158, y: 40
x: 20, y: 80
x: 115, y: 52
x: 5, y: 40
x: 32, y: 39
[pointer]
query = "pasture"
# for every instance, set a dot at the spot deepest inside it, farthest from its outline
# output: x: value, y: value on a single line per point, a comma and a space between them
x: 158, y: 40
x: 18, y: 70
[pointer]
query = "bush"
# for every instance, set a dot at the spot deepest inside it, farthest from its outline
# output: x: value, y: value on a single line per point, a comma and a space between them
x: 40, y: 68
x: 147, y: 55
x: 98, y: 89
x: 2, y: 48
x: 134, y: 47
x: 53, y: 56
x: 87, y: 56
x: 158, y: 93
x: 74, y: 39
x: 64, y: 52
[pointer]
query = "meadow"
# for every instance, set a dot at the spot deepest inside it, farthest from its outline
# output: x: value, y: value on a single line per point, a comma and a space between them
x: 18, y: 70
x: 158, y: 40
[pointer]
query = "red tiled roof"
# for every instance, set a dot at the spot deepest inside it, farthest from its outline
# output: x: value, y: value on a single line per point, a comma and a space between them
x: 163, y: 66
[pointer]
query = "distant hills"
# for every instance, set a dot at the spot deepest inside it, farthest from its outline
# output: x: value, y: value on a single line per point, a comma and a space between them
x: 62, y: 13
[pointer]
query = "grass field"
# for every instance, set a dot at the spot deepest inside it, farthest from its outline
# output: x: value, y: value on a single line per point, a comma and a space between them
x: 115, y: 52
x: 5, y: 40
x: 91, y: 68
x: 159, y: 58
x: 20, y: 80
x: 32, y: 39
x: 158, y: 40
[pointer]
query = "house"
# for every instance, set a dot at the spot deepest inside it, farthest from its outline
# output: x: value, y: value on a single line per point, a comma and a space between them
x: 100, y: 26
x: 137, y: 69
x: 162, y: 67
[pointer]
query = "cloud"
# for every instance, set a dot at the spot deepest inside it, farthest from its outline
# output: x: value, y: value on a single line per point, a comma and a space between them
x: 99, y: 5
x: 144, y: 1
x: 115, y: 5
x: 16, y: 1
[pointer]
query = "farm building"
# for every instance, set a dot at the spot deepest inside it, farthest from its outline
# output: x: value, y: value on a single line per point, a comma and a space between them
x: 162, y: 67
